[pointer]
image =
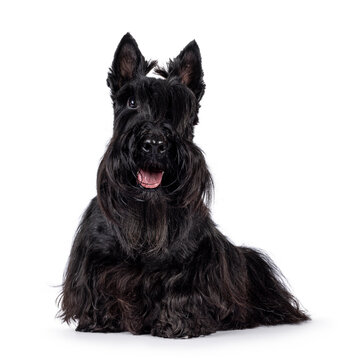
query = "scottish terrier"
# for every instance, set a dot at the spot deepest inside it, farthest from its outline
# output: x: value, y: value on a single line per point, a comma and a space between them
x: 147, y: 257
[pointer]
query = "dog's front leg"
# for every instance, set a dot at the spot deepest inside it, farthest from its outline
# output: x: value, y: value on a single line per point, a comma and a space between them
x: 83, y: 299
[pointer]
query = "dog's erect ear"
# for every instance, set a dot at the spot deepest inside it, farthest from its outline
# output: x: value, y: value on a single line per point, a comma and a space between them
x: 187, y: 68
x: 128, y: 63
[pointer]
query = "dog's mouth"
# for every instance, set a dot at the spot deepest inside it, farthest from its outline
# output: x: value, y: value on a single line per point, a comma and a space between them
x: 149, y: 179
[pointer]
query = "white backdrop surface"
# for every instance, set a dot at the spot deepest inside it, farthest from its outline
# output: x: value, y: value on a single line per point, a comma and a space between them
x: 280, y: 127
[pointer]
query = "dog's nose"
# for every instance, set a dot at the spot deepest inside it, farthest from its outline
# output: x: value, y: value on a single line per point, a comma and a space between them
x: 152, y: 146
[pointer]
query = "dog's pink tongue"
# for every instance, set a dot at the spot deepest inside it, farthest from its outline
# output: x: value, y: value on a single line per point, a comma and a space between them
x: 149, y: 179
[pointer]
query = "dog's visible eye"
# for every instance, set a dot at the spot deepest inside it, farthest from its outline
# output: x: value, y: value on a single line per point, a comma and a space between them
x: 132, y: 103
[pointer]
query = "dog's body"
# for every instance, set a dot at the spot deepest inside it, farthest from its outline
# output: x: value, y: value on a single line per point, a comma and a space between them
x: 147, y: 257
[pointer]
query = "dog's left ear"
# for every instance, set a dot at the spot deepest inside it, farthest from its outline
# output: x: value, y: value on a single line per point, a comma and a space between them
x: 128, y: 63
x: 186, y: 67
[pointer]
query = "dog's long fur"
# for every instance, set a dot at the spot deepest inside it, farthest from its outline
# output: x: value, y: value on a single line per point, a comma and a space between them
x: 152, y: 260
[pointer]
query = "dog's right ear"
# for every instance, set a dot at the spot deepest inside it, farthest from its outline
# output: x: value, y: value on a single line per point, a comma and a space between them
x: 128, y: 63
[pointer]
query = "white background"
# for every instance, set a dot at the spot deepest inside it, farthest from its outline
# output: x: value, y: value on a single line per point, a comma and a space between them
x: 279, y: 125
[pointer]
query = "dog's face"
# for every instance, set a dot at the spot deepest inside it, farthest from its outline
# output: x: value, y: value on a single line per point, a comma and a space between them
x: 152, y: 117
x: 152, y: 150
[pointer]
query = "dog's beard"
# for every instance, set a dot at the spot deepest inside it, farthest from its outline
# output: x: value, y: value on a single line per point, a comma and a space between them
x: 133, y: 201
x: 139, y: 197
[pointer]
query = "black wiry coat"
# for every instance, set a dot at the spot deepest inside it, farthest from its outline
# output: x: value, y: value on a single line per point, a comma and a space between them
x: 151, y: 260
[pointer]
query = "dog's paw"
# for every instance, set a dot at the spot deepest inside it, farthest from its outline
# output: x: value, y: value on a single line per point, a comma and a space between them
x: 97, y: 328
x: 178, y: 332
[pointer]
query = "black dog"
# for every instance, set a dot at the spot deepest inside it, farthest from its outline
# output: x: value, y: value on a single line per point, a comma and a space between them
x: 147, y: 257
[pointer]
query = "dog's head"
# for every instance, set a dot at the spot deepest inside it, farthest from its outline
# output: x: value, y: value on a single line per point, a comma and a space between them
x: 151, y: 153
